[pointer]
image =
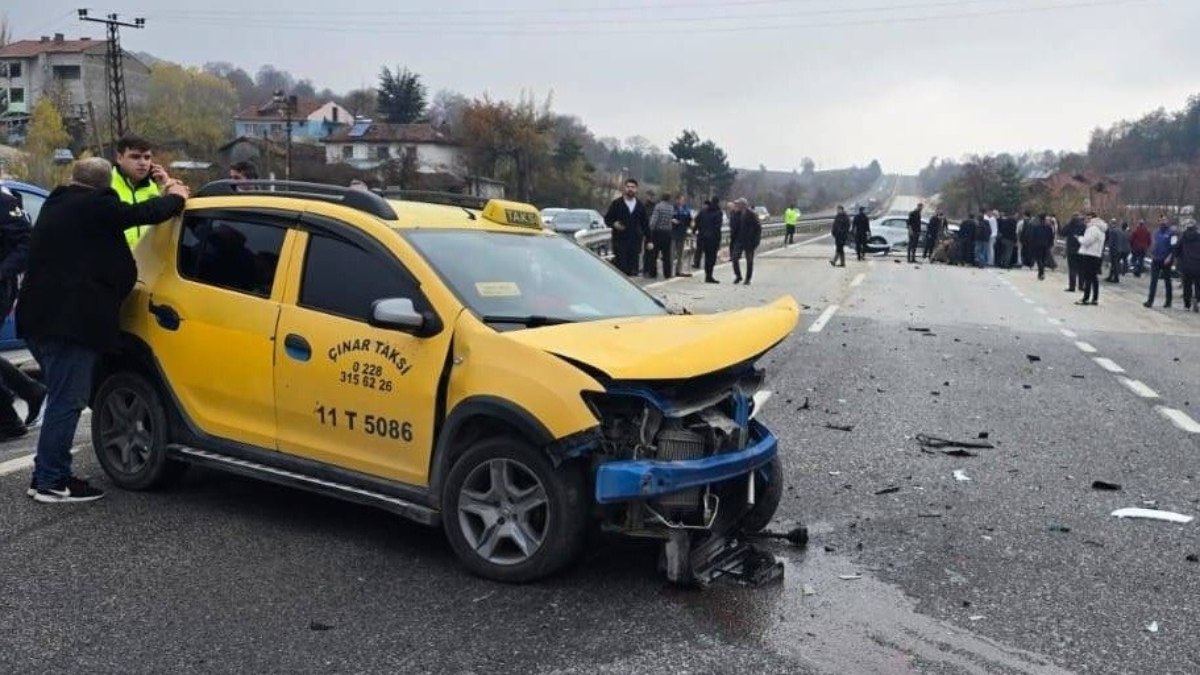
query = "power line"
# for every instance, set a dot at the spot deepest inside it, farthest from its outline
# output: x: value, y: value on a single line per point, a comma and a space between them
x: 493, y: 29
x: 114, y: 69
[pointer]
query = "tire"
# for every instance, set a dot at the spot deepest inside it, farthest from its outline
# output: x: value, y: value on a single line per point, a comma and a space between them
x: 767, y: 498
x: 129, y: 434
x: 478, y: 514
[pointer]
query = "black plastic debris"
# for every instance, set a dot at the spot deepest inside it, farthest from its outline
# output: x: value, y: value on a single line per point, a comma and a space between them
x: 803, y: 406
x: 1033, y: 358
x: 839, y: 427
x: 797, y: 536
x: 983, y: 435
x: 919, y: 330
x: 959, y: 452
x: 888, y: 490
x: 1105, y: 485
x: 1057, y: 527
x: 317, y: 625
x: 1192, y: 557
x: 1095, y: 544
x: 1079, y: 377
x: 928, y: 441
x: 1027, y: 386
x: 929, y: 515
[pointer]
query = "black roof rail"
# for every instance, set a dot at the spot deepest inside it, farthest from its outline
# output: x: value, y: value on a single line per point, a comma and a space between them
x: 361, y: 200
x: 432, y: 197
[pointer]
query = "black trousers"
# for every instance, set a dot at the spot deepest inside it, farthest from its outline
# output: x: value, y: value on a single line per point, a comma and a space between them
x: 736, y: 251
x: 709, y: 248
x: 1159, y: 271
x: 860, y: 249
x: 1089, y: 277
x: 627, y: 253
x: 1191, y: 290
x: 1038, y: 257
x: 1073, y: 269
x: 660, y: 240
x: 699, y: 252
x: 839, y: 251
x: 930, y: 244
x: 913, y: 241
x: 789, y: 234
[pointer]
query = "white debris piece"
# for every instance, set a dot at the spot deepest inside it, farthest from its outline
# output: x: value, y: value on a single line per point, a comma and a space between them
x: 849, y: 577
x: 1153, y: 627
x: 977, y: 617
x: 1153, y: 514
x: 808, y: 590
x: 961, y: 475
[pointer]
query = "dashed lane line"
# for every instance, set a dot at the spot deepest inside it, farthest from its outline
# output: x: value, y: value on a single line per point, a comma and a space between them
x: 1028, y: 300
x: 1086, y: 348
x: 1109, y: 365
x: 858, y: 280
x: 1180, y: 419
x: 1138, y: 387
x: 1069, y: 334
x: 1042, y: 310
x: 25, y: 462
x: 823, y: 319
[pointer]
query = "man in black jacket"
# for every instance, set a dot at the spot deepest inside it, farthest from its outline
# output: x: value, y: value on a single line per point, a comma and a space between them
x: 14, y: 253
x: 1073, y: 231
x: 745, y: 233
x: 1007, y: 238
x: 1040, y: 240
x: 862, y: 232
x: 932, y: 234
x: 708, y: 236
x: 630, y: 222
x: 914, y: 232
x: 966, y: 240
x: 840, y: 231
x: 80, y: 270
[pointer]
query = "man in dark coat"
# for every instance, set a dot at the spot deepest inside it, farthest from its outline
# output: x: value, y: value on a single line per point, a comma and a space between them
x: 80, y: 270
x: 1006, y: 240
x: 840, y: 231
x: 932, y: 234
x: 14, y: 254
x: 708, y: 235
x: 966, y: 240
x: 1040, y: 239
x: 1187, y: 260
x: 745, y: 233
x: 1072, y: 232
x: 914, y: 232
x: 862, y: 232
x: 629, y: 220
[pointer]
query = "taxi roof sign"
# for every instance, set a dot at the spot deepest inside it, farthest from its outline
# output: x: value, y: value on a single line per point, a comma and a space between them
x: 513, y: 214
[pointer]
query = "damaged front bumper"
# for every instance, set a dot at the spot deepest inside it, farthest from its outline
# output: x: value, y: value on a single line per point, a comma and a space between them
x: 627, y: 480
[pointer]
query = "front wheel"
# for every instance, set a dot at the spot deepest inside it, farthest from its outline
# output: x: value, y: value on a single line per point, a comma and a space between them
x: 510, y: 515
x: 129, y: 433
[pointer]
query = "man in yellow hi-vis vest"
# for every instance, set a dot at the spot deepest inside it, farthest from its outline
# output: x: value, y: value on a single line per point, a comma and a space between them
x: 136, y: 178
x: 791, y: 216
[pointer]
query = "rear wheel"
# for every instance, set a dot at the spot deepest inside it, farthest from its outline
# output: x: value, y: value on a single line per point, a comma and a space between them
x: 510, y: 515
x: 129, y: 433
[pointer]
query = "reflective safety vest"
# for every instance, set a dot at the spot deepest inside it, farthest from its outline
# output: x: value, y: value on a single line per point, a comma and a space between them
x: 133, y: 195
x: 791, y: 216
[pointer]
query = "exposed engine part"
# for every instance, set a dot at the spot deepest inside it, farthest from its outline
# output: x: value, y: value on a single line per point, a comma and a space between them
x: 673, y: 444
x: 698, y: 560
x: 712, y: 507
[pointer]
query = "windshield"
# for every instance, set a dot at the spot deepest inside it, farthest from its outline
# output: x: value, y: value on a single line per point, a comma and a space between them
x: 515, y: 279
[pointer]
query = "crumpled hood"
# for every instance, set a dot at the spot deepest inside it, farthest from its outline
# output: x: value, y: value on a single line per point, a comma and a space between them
x: 669, y: 347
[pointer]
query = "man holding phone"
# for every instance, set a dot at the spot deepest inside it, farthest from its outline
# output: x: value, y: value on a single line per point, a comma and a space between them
x: 136, y: 178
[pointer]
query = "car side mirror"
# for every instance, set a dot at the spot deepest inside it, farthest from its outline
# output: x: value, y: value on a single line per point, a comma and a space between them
x: 400, y: 314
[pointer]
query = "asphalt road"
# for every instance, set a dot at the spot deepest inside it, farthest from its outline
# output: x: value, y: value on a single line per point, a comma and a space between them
x: 1021, y: 569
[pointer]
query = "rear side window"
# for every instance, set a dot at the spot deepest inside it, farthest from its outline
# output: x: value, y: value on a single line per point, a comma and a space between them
x: 344, y: 279
x: 232, y: 254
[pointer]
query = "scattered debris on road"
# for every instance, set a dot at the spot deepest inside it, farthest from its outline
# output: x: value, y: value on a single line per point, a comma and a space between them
x: 1105, y: 485
x: 806, y: 589
x: 1192, y: 557
x: 1033, y: 358
x: 961, y: 476
x: 919, y: 330
x: 928, y: 441
x: 318, y: 626
x: 849, y: 577
x: 839, y: 427
x: 1153, y: 627
x: 888, y: 490
x: 797, y: 536
x: 803, y: 406
x: 1058, y: 527
x: 1153, y: 514
x: 977, y: 617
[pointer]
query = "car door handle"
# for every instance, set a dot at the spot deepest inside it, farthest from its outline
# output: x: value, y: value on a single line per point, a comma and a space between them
x: 166, y: 316
x: 297, y: 347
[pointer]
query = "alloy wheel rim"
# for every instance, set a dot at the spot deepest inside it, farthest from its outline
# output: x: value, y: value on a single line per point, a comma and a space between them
x: 503, y: 511
x: 126, y: 434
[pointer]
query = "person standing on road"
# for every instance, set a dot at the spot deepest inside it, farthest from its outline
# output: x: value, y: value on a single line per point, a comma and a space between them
x: 745, y: 233
x: 914, y: 232
x: 1007, y: 237
x: 932, y: 234
x: 983, y: 241
x: 80, y: 270
x: 1118, y: 251
x: 14, y: 254
x: 136, y: 178
x: 862, y: 232
x: 993, y: 221
x: 658, y: 244
x: 1023, y: 229
x: 966, y: 240
x: 629, y: 220
x: 1139, y: 244
x: 680, y: 226
x: 840, y: 231
x: 791, y: 216
x: 708, y: 236
x: 1073, y: 231
x: 1091, y: 254
x: 1162, y: 244
x: 1041, y: 240
x: 1187, y: 257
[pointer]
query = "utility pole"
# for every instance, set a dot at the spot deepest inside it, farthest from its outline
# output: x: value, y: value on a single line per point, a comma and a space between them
x: 114, y: 71
x: 289, y: 104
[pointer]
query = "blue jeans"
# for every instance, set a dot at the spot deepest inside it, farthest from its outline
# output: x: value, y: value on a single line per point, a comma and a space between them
x: 983, y: 253
x: 67, y: 372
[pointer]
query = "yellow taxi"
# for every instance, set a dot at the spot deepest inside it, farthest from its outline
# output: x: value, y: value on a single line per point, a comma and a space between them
x: 454, y: 363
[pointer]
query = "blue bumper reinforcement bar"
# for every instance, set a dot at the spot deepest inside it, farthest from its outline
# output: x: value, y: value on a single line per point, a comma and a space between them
x: 627, y: 480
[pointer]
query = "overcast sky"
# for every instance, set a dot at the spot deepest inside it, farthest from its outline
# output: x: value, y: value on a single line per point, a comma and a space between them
x: 771, y: 81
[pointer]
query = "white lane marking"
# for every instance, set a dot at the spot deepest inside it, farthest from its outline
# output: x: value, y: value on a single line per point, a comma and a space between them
x: 1180, y: 419
x: 1109, y: 365
x: 1042, y: 310
x: 723, y: 265
x: 1068, y: 333
x: 25, y: 462
x: 1054, y: 321
x: 1138, y: 387
x: 858, y: 280
x: 823, y: 319
x: 1028, y: 300
x: 1085, y: 348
